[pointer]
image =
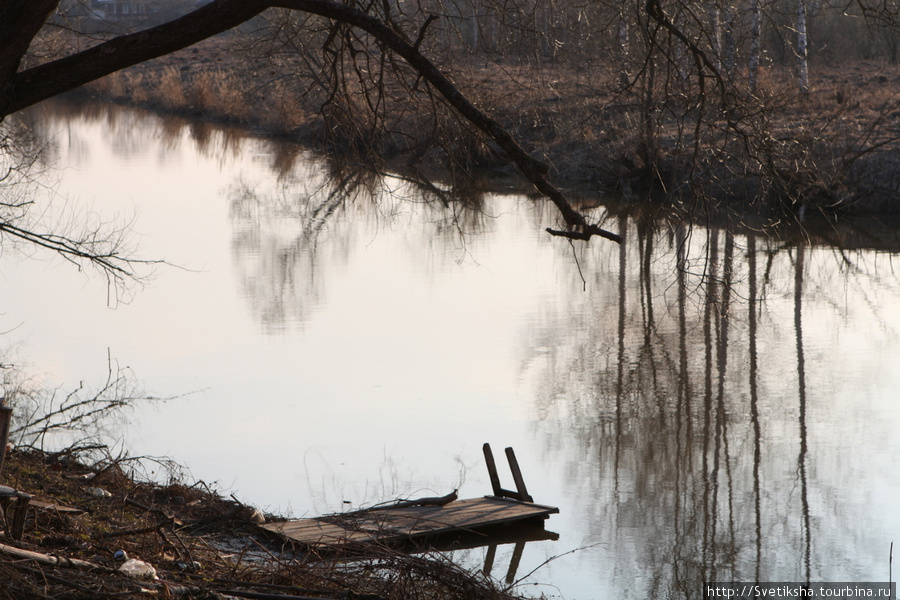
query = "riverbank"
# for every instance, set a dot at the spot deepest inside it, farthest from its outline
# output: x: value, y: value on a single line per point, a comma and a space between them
x: 89, y: 519
x: 774, y: 156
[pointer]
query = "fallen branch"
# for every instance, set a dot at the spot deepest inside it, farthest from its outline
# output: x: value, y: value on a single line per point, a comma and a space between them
x: 63, y: 581
x: 431, y: 501
x: 49, y: 559
x: 534, y: 170
x: 264, y: 596
x: 572, y: 235
x: 124, y: 532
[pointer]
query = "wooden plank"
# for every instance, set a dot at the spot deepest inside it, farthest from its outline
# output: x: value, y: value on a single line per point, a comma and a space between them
x: 409, y: 523
x: 492, y: 469
x: 55, y: 507
x: 517, y: 476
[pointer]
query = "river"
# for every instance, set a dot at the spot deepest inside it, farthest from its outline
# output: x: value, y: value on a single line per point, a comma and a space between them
x: 700, y: 404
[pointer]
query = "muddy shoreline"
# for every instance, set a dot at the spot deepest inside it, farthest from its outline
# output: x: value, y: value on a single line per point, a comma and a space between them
x: 88, y: 519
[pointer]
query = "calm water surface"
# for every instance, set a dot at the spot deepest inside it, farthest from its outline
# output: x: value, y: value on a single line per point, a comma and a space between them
x: 700, y: 405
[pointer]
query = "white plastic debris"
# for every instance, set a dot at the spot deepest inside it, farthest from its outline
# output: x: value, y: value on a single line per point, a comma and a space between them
x: 138, y: 569
x: 257, y: 517
x: 99, y: 492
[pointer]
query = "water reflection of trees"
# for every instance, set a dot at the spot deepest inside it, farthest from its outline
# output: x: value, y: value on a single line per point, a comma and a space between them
x: 280, y: 229
x: 690, y: 435
x: 36, y: 220
x: 286, y: 201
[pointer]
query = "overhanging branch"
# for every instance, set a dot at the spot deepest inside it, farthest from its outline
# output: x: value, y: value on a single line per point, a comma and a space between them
x: 56, y: 77
x: 532, y: 169
x: 50, y: 79
x: 108, y: 260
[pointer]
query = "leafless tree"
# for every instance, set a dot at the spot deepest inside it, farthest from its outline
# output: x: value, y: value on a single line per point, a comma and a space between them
x: 671, y: 105
x: 22, y: 20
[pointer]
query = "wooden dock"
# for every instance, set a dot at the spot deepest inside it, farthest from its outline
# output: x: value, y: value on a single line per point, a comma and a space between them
x: 391, y: 525
x: 415, y: 521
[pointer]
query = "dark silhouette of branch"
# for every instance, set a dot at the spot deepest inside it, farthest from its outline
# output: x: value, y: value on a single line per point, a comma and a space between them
x: 45, y: 81
x: 102, y: 253
x: 50, y: 79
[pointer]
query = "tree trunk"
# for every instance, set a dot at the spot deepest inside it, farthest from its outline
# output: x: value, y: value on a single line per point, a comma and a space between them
x: 802, y: 43
x: 51, y: 79
x: 755, y: 27
x: 682, y: 60
x: 715, y: 34
x: 20, y: 20
x: 474, y: 27
x: 624, y: 79
x: 729, y: 49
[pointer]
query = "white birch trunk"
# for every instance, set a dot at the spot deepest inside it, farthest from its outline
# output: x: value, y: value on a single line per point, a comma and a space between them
x: 755, y: 27
x: 624, y: 79
x: 715, y: 27
x: 802, y: 44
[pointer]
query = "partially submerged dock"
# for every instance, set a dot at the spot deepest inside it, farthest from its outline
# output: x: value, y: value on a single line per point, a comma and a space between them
x: 428, y: 519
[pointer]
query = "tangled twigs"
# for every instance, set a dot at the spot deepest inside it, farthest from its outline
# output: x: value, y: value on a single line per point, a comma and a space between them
x: 207, y: 547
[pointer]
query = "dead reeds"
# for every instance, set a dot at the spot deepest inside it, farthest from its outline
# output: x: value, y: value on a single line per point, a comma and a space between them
x: 201, y: 545
x: 771, y: 152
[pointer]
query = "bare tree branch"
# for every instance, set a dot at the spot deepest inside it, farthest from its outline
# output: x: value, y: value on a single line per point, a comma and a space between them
x: 50, y: 79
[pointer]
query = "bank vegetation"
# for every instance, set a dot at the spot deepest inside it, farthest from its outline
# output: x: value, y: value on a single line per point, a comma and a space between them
x: 99, y: 528
x: 760, y: 110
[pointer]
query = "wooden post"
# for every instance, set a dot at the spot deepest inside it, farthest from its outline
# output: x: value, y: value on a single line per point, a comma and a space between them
x: 16, y: 520
x: 5, y: 415
x: 517, y: 476
x: 15, y: 509
x: 521, y: 492
x: 492, y: 470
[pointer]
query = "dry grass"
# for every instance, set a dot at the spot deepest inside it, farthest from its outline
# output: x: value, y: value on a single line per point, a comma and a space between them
x: 171, y: 93
x: 137, y: 89
x: 215, y: 93
x: 114, y: 86
x: 202, y: 546
x: 573, y: 116
x: 285, y: 113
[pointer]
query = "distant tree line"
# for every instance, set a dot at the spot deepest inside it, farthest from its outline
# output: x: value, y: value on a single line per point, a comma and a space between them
x: 692, y: 107
x: 730, y: 32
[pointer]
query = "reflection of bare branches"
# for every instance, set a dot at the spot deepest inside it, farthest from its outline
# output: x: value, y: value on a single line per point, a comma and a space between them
x: 717, y: 481
x: 47, y: 417
x: 277, y: 232
x: 79, y: 239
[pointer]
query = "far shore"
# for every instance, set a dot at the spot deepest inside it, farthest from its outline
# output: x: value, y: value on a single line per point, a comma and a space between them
x: 584, y: 128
